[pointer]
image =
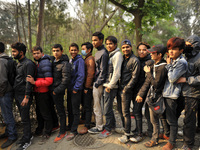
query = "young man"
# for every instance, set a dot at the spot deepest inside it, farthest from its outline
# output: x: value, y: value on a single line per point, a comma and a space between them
x: 191, y: 90
x: 177, y: 67
x: 74, y: 91
x: 43, y: 80
x: 129, y: 76
x: 61, y: 80
x: 101, y: 61
x: 110, y: 87
x: 23, y: 89
x: 7, y: 69
x: 156, y: 76
x: 88, y: 83
x: 143, y: 56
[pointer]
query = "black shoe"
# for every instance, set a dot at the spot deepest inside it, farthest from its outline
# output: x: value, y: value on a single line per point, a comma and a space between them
x: 3, y: 136
x: 24, y: 145
x: 8, y: 143
x: 22, y: 140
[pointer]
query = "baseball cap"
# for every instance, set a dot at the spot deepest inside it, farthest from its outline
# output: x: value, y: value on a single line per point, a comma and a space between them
x: 158, y: 49
x: 126, y: 42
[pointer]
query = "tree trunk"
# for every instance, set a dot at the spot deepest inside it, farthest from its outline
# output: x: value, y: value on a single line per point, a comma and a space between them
x: 29, y: 26
x: 138, y: 26
x: 17, y: 22
x: 22, y: 17
x: 40, y: 23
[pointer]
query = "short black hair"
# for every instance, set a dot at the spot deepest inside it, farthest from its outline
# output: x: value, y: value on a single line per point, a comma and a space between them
x: 73, y: 45
x: 37, y: 48
x: 2, y: 47
x: 19, y: 46
x: 112, y: 38
x: 145, y: 44
x: 88, y: 45
x: 99, y: 35
x: 57, y: 46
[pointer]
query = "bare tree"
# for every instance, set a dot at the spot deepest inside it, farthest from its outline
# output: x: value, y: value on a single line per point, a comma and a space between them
x: 40, y: 22
x: 23, y: 23
x: 29, y: 26
x: 17, y: 22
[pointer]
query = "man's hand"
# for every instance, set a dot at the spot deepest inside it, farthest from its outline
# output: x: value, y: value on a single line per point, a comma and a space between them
x: 107, y: 90
x: 74, y: 92
x: 139, y: 99
x: 24, y: 102
x: 147, y: 69
x: 85, y: 91
x: 30, y: 79
x: 181, y: 80
x: 168, y: 60
x: 54, y: 93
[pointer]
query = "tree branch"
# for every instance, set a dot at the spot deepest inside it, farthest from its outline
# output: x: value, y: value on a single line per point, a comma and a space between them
x: 122, y: 6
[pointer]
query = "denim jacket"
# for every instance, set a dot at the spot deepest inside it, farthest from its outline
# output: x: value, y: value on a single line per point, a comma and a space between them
x: 176, y: 69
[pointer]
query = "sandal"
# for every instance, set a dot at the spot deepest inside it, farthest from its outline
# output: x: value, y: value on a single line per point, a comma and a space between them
x: 150, y: 143
x: 70, y: 136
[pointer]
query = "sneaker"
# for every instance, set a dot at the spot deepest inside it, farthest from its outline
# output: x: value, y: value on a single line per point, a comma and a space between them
x: 185, y: 147
x: 104, y: 134
x: 70, y: 136
x: 84, y: 130
x: 119, y: 130
x: 24, y: 145
x: 124, y: 139
x: 8, y: 143
x: 59, y: 137
x: 22, y: 140
x: 55, y: 129
x: 168, y: 146
x: 180, y: 133
x: 94, y: 130
x: 137, y: 138
x: 163, y: 136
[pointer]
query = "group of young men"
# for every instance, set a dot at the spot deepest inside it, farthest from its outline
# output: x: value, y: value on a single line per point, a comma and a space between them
x: 94, y: 82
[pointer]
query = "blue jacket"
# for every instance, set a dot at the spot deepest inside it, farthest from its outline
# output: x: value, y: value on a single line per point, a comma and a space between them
x: 77, y: 73
x: 176, y: 69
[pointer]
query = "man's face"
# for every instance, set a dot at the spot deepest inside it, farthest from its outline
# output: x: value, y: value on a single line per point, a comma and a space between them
x: 155, y: 56
x: 126, y: 49
x: 73, y: 51
x: 37, y: 54
x: 15, y: 53
x: 142, y: 51
x: 96, y: 42
x: 85, y: 48
x: 174, y: 53
x: 110, y: 46
x: 57, y: 53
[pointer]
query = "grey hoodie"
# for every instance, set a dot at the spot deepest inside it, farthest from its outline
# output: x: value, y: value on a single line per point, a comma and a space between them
x: 192, y: 87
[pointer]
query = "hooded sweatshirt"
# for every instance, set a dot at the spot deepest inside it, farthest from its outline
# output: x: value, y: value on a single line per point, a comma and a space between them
x: 192, y: 87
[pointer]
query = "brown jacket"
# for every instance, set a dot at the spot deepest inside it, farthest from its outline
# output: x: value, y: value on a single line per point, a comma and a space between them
x: 89, y: 71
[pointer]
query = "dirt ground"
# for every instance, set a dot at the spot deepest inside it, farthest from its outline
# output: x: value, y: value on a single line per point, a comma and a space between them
x: 110, y: 143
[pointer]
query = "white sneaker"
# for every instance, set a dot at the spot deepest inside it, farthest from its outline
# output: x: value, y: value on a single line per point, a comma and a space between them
x: 123, y: 139
x: 119, y: 130
x: 180, y: 133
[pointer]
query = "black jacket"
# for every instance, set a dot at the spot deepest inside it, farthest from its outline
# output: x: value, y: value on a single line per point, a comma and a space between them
x: 192, y: 87
x: 24, y: 68
x: 61, y: 74
x: 101, y: 61
x: 142, y: 75
x: 8, y: 73
x: 129, y: 73
x: 158, y: 82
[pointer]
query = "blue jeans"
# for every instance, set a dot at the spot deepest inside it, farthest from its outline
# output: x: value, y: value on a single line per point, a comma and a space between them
x: 107, y: 105
x: 6, y: 109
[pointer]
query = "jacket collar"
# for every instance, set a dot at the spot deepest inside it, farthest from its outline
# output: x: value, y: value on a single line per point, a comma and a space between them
x: 21, y: 60
x: 89, y: 54
x: 113, y: 52
x: 100, y: 47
